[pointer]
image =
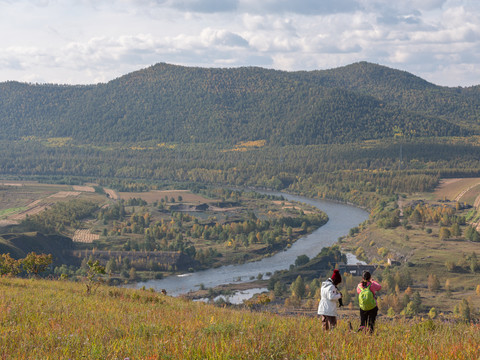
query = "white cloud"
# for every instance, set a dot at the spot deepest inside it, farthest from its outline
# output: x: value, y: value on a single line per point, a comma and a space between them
x: 82, y: 41
x: 214, y: 37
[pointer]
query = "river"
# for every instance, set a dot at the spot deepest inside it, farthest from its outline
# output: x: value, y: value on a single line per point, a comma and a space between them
x: 342, y: 218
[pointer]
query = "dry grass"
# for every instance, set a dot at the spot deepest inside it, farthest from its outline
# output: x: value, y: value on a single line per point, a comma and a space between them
x: 56, y: 320
x: 65, y: 194
x: 456, y: 189
x: 83, y: 188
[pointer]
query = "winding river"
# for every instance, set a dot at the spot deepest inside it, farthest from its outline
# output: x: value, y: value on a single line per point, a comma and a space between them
x: 342, y: 218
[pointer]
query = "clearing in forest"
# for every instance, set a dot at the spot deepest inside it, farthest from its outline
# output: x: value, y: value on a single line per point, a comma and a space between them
x: 157, y: 195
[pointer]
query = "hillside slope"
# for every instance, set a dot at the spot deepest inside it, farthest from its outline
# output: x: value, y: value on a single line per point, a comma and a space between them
x: 167, y: 103
x: 18, y: 245
x: 409, y: 92
x: 57, y: 320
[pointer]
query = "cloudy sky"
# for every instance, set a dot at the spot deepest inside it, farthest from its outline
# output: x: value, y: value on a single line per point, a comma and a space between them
x: 91, y: 41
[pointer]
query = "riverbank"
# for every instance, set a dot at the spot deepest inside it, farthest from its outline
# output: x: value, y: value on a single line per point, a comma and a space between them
x: 225, y: 289
x: 342, y: 218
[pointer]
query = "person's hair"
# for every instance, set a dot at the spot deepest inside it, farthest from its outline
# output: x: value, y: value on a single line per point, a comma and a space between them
x: 366, y: 277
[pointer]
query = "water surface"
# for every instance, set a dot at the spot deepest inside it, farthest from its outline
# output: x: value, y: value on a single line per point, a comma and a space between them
x: 342, y: 218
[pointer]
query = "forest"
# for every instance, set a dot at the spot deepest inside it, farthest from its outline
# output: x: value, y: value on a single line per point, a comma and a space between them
x: 356, y: 133
x: 361, y: 173
x: 167, y: 103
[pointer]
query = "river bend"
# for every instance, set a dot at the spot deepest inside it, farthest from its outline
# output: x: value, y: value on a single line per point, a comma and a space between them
x: 342, y: 218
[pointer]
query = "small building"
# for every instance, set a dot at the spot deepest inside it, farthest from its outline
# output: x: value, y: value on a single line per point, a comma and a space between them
x: 356, y: 270
x: 392, y: 262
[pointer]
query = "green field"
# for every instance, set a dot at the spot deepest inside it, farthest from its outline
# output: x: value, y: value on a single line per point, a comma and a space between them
x: 6, y: 212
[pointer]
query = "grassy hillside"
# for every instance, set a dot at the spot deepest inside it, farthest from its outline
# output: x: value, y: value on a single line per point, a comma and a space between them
x: 57, y: 320
x: 168, y: 103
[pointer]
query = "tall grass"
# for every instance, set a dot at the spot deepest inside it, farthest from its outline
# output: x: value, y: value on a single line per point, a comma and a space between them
x: 57, y: 320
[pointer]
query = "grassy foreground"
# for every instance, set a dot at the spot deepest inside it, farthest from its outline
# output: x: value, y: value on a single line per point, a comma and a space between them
x: 56, y: 320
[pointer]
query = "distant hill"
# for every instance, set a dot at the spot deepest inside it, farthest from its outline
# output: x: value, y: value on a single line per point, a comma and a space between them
x: 168, y: 103
x: 400, y: 88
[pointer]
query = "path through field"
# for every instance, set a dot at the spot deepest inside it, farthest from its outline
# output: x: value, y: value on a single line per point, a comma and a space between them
x: 459, y: 196
x: 459, y: 189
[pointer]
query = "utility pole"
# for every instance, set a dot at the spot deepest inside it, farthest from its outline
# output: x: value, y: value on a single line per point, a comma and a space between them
x: 398, y: 133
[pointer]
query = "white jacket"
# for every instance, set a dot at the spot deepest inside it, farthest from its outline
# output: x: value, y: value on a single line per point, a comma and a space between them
x: 329, y: 299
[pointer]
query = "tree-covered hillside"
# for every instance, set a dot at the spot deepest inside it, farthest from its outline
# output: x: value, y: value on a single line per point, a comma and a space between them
x: 168, y: 103
x: 409, y: 92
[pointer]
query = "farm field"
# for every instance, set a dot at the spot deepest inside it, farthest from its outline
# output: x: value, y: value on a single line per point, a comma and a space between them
x: 462, y: 190
x: 84, y: 236
x: 157, y: 195
x: 19, y: 199
x: 57, y: 320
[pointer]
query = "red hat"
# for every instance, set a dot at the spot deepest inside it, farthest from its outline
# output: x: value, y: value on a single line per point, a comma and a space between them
x: 336, y: 277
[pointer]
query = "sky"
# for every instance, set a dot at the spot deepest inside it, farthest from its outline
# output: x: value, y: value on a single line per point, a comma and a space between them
x: 93, y: 41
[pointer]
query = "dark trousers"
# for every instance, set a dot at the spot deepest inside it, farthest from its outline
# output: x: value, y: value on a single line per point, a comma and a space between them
x: 329, y: 322
x: 367, y: 318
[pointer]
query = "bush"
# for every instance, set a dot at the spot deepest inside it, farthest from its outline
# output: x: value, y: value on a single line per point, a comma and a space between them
x: 301, y: 260
x: 450, y: 265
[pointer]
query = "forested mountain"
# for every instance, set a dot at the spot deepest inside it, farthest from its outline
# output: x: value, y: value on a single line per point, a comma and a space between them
x: 409, y: 92
x: 167, y: 103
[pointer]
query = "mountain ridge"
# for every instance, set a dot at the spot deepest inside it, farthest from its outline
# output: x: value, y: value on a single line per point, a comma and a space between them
x: 170, y: 103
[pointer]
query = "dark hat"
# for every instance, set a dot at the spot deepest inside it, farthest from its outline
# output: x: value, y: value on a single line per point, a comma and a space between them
x: 336, y: 277
x: 366, y: 275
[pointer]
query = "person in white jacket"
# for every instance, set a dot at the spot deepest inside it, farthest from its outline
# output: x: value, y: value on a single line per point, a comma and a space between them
x: 330, y: 296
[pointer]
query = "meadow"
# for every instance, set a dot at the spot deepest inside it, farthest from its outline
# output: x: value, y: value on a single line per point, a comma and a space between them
x: 42, y: 319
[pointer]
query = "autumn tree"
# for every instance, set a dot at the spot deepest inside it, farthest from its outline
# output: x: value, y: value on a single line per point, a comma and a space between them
x: 463, y: 310
x: 298, y: 287
x: 36, y: 263
x: 444, y: 233
x: 8, y: 265
x: 433, y: 282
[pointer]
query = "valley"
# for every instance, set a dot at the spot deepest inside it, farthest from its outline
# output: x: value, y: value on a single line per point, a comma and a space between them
x: 138, y: 173
x: 147, y: 231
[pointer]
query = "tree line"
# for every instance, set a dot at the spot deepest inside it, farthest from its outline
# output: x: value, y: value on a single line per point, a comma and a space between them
x: 358, y: 173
